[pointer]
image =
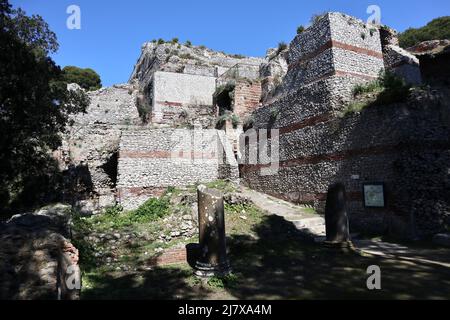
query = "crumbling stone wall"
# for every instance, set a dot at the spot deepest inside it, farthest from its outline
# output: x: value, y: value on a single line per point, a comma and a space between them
x: 172, y: 57
x: 398, y: 60
x: 175, y: 92
x: 88, y: 155
x: 113, y: 105
x: 336, y: 44
x: 434, y: 57
x: 152, y: 160
x: 37, y: 259
x: 272, y: 72
x: 391, y: 144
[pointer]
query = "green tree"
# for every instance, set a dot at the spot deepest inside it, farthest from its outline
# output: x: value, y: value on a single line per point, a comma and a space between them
x: 437, y: 29
x: 87, y: 78
x: 34, y: 108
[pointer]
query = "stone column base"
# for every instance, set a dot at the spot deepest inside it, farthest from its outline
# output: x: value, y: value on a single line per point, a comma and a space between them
x: 206, y: 270
x: 345, y: 246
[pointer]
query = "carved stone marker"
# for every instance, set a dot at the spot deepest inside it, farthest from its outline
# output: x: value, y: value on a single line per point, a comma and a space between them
x: 212, y: 256
x: 336, y: 219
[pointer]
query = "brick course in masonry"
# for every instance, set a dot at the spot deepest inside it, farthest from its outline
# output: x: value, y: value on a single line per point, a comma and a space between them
x: 152, y: 160
x: 404, y: 146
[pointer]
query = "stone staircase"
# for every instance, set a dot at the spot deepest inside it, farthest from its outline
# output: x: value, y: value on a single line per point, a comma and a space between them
x: 310, y: 224
x: 314, y: 227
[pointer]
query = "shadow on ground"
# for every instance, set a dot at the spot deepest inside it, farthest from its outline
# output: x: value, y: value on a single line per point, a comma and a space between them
x: 280, y: 264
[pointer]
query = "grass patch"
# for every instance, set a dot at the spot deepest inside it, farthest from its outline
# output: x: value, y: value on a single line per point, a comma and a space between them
x: 240, y: 218
x: 151, y: 210
x: 270, y: 261
x: 227, y: 281
x: 387, y: 89
x: 309, y: 210
x: 355, y: 107
x: 222, y: 185
x: 366, y: 88
x: 116, y: 218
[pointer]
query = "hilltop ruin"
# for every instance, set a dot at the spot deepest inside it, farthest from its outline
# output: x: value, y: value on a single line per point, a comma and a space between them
x: 123, y: 150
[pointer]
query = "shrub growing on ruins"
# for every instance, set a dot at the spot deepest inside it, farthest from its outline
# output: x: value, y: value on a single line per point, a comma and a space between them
x: 187, y: 56
x: 113, y: 211
x: 188, y: 43
x: 229, y: 86
x: 274, y: 114
x: 389, y: 89
x: 161, y: 41
x: 395, y: 89
x: 281, y: 47
x: 248, y: 123
x: 300, y: 29
x: 366, y: 88
x: 221, y: 120
x: 174, y: 40
x: 316, y: 17
x: 152, y: 209
x: 235, y: 121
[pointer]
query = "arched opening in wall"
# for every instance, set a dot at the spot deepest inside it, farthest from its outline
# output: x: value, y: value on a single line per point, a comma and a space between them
x: 110, y: 168
x: 224, y: 102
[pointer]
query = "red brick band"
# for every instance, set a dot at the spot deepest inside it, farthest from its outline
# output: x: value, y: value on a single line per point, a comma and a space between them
x: 336, y: 44
x: 312, y: 121
x: 344, y: 155
x: 170, y: 103
x: 172, y: 256
x: 158, y: 154
x: 311, y: 197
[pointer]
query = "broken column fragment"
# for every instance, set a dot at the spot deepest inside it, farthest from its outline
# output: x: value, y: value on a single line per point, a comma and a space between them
x: 212, y: 256
x: 336, y: 218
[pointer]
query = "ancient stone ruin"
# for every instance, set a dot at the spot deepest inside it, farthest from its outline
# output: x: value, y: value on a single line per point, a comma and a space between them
x: 181, y: 116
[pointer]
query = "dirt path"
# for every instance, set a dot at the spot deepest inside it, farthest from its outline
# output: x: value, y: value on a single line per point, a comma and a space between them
x: 304, y: 219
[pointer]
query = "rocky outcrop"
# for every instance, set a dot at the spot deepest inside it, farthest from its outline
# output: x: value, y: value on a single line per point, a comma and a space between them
x: 434, y: 59
x: 37, y: 261
x: 174, y: 57
x: 398, y: 60
x: 88, y: 154
x: 272, y: 72
x: 431, y: 47
x: 114, y: 105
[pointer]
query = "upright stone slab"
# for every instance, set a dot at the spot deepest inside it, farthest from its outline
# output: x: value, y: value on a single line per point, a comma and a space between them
x: 336, y: 219
x: 212, y: 257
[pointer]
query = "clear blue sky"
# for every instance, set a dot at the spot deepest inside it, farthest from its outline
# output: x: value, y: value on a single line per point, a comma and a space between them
x: 112, y: 32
